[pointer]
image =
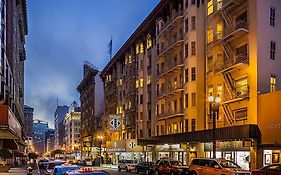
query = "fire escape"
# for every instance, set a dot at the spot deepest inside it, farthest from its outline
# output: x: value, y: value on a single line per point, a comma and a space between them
x: 233, y: 29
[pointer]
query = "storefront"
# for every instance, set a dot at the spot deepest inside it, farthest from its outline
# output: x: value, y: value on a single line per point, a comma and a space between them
x: 171, y: 151
x: 124, y: 149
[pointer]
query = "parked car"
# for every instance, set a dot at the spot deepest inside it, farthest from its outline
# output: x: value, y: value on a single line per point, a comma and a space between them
x: 145, y: 167
x: 127, y: 165
x: 51, y: 165
x: 273, y: 169
x: 171, y: 167
x: 59, y: 170
x: 204, y: 166
x: 86, y: 171
x: 42, y: 164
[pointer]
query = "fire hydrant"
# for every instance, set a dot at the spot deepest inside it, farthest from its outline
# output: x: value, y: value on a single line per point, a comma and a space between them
x: 29, y: 170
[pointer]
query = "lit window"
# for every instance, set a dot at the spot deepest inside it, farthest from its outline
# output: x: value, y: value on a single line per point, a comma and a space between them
x: 137, y: 48
x: 219, y: 89
x: 137, y: 83
x: 126, y: 60
x: 129, y: 105
x: 141, y: 82
x: 141, y: 47
x: 109, y: 77
x: 241, y: 86
x: 149, y: 79
x: 219, y: 30
x: 219, y: 4
x: 272, y: 83
x: 210, y: 7
x: 120, y: 110
x: 272, y: 16
x: 210, y: 34
x: 148, y: 41
x: 130, y: 59
x: 117, y: 112
x: 120, y: 82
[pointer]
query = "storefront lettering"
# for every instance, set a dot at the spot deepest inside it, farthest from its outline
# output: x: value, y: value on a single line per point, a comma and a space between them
x: 273, y: 126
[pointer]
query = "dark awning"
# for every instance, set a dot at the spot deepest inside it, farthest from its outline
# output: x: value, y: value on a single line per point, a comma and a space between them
x: 10, y: 144
x: 240, y: 132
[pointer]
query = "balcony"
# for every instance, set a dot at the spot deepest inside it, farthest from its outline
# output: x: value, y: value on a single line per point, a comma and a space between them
x: 170, y: 113
x: 170, y: 89
x: 131, y: 91
x: 170, y: 66
x: 239, y: 93
x: 240, y: 61
x: 177, y: 18
x: 238, y: 29
x: 172, y: 44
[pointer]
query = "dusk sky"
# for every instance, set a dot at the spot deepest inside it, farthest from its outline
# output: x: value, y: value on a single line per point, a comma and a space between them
x: 65, y: 33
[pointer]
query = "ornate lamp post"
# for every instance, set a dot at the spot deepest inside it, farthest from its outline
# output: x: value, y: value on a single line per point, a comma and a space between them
x: 100, y: 138
x: 214, y: 104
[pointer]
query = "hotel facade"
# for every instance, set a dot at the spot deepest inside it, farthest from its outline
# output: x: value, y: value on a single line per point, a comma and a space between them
x: 157, y: 86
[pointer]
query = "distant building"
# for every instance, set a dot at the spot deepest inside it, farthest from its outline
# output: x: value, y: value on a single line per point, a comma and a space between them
x: 72, y: 128
x: 39, y: 129
x: 59, y: 116
x: 28, y: 121
x: 49, y: 140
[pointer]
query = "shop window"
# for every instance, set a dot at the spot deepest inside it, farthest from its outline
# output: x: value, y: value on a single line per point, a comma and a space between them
x: 210, y: 7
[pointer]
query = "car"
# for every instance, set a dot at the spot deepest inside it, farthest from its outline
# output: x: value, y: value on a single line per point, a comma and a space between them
x: 127, y: 165
x: 86, y: 171
x: 171, y: 167
x: 88, y: 162
x: 203, y: 166
x: 82, y: 162
x: 51, y: 165
x: 59, y: 170
x: 145, y: 167
x: 273, y: 169
x: 42, y: 164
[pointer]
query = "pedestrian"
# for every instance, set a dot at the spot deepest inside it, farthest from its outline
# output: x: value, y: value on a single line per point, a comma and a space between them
x: 29, y: 170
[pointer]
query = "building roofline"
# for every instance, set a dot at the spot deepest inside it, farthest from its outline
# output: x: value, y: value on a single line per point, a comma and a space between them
x: 142, y: 27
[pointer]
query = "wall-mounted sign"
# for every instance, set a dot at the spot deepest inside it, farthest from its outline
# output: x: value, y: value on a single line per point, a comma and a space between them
x: 115, y: 122
x: 87, y: 144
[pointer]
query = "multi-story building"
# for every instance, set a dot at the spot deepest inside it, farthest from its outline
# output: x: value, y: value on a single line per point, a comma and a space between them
x: 39, y: 130
x: 59, y: 116
x: 28, y: 121
x: 72, y: 129
x: 49, y: 140
x: 13, y: 30
x: 184, y: 52
x: 91, y: 123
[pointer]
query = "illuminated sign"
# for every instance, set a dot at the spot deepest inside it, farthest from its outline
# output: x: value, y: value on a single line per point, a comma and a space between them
x: 115, y: 122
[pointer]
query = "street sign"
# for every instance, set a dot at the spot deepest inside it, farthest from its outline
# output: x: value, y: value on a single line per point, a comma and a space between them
x: 115, y: 122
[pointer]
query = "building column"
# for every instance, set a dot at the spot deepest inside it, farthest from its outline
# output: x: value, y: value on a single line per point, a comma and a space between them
x: 253, y: 156
x: 154, y: 157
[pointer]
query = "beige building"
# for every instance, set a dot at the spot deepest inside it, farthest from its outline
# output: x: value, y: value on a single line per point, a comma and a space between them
x: 185, y: 51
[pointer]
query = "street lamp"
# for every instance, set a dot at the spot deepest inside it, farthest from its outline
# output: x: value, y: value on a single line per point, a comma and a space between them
x: 100, y: 138
x: 214, y: 113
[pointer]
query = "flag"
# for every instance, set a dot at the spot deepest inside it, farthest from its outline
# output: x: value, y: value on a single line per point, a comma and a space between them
x: 110, y: 48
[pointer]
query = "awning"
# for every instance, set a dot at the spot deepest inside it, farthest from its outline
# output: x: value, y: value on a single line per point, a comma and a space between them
x: 6, y: 134
x: 10, y: 144
x: 239, y: 132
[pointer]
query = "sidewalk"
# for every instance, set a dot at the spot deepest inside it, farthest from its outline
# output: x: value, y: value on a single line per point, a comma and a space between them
x: 19, y: 171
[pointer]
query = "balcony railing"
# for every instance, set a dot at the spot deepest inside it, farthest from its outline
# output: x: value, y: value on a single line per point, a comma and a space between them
x: 239, y: 59
x: 170, y: 66
x: 170, y: 89
x: 173, y: 42
x: 176, y: 15
x: 240, y: 92
x: 171, y: 113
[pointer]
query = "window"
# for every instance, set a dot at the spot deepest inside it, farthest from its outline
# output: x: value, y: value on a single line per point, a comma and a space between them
x: 148, y: 79
x: 219, y: 89
x: 130, y: 59
x: 210, y: 35
x: 148, y: 41
x: 193, y: 74
x: 186, y: 4
x: 219, y: 4
x: 186, y: 25
x: 272, y: 16
x: 141, y: 47
x: 193, y: 48
x: 137, y: 48
x: 241, y: 86
x: 186, y: 50
x: 193, y: 124
x: 193, y: 99
x: 272, y: 83
x: 141, y: 82
x: 272, y: 50
x: 210, y: 64
x: 186, y: 75
x: 141, y: 99
x: 186, y: 100
x: 210, y: 7
x: 219, y: 30
x: 193, y: 23
x: 186, y: 125
x: 192, y: 2
x: 141, y: 65
x: 137, y: 83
